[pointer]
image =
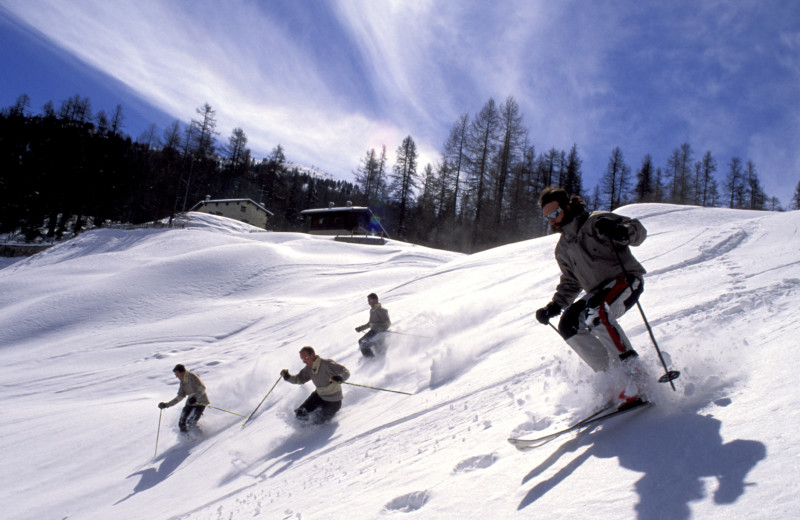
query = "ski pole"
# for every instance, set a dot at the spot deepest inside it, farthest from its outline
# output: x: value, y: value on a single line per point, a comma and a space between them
x: 669, y: 375
x: 407, y: 334
x: 262, y: 401
x: 158, y: 432
x: 222, y: 410
x: 376, y: 388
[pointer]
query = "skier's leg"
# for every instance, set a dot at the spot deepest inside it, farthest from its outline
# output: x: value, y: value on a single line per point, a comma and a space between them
x: 326, y: 411
x: 573, y: 329
x: 194, y: 416
x: 308, y: 406
x: 189, y: 417
x: 184, y: 418
x: 379, y: 344
x: 601, y: 318
x: 603, y: 325
x: 365, y: 344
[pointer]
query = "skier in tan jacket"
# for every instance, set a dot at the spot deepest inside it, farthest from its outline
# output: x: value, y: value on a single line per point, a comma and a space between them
x: 328, y: 376
x: 191, y: 386
x: 379, y: 322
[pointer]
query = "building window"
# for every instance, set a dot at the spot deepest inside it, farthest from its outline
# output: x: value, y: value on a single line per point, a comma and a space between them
x: 244, y: 209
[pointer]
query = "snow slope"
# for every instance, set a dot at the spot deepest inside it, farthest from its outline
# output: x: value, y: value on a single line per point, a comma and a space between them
x: 90, y: 330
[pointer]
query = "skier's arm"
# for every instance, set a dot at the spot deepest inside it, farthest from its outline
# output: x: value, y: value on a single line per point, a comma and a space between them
x: 636, y: 231
x: 624, y: 230
x: 338, y: 373
x: 300, y: 378
x: 568, y: 287
x: 177, y: 399
x: 362, y: 328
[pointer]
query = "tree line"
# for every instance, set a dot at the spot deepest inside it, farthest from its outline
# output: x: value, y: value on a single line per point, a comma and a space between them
x: 66, y: 169
x: 483, y: 189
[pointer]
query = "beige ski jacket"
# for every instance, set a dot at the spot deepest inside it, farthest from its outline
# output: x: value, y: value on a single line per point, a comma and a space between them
x: 320, y: 373
x: 191, y: 386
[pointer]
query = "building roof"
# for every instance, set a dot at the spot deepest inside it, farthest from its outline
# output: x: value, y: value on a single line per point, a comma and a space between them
x: 237, y: 201
x: 334, y: 210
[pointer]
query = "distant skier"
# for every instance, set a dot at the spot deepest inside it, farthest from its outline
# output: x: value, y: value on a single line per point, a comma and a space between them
x: 586, y: 256
x: 327, y: 376
x: 191, y: 386
x: 379, y: 322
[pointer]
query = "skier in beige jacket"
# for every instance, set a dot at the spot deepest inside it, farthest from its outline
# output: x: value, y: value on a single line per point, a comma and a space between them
x: 328, y: 376
x: 191, y: 386
x: 379, y: 322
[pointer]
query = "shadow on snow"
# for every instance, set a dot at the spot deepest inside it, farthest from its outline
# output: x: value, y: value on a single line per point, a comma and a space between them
x: 687, y: 448
x: 151, y: 477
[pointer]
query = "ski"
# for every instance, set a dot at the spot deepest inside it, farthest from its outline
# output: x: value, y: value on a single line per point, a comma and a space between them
x: 533, y: 443
x: 600, y: 415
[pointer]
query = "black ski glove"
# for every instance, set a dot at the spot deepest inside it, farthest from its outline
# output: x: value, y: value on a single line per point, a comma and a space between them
x: 162, y: 405
x: 191, y: 401
x: 612, y: 229
x: 337, y: 379
x: 285, y: 374
x: 551, y: 310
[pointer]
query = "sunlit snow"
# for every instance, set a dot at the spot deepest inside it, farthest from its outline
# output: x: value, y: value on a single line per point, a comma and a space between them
x: 90, y: 330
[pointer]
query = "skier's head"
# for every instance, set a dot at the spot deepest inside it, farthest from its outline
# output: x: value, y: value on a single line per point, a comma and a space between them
x: 372, y: 298
x: 179, y: 371
x: 558, y: 208
x: 308, y: 355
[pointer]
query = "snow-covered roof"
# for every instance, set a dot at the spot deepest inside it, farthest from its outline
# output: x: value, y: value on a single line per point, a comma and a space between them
x: 337, y: 209
x: 235, y: 201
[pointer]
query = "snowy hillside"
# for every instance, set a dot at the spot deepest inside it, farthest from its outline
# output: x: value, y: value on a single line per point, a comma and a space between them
x: 90, y: 330
x: 313, y: 171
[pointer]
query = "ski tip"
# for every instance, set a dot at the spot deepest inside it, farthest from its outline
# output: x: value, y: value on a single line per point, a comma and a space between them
x: 519, y: 446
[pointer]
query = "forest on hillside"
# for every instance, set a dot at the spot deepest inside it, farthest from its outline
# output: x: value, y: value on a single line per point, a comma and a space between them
x: 68, y: 169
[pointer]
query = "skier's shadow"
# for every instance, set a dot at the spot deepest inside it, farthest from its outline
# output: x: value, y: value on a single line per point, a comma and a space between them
x: 687, y: 449
x: 299, y: 446
x: 151, y: 477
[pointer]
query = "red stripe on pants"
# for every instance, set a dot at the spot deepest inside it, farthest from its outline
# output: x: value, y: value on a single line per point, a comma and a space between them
x: 612, y: 295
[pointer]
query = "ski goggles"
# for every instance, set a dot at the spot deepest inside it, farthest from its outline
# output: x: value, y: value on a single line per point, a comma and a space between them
x: 554, y: 214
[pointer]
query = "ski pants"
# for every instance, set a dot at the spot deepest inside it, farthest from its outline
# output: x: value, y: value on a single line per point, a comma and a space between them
x: 189, y: 417
x: 590, y: 326
x: 371, y: 343
x: 324, y: 409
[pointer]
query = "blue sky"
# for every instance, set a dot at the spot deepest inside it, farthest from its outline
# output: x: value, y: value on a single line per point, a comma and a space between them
x: 330, y: 80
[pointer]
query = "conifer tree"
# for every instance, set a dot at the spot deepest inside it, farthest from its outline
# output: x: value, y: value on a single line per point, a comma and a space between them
x: 404, y: 181
x: 645, y: 179
x: 705, y: 184
x: 573, y: 177
x: 511, y: 135
x: 455, y: 157
x: 202, y: 132
x: 734, y: 184
x: 366, y: 177
x: 481, y: 147
x: 616, y: 179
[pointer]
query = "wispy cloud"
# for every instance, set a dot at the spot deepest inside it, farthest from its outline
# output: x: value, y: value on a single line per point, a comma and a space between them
x: 180, y: 55
x: 329, y: 80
